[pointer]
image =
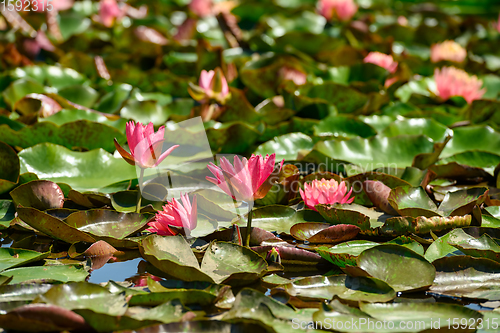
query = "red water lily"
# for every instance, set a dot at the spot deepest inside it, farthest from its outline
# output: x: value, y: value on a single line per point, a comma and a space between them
x: 383, y: 60
x: 344, y: 10
x: 175, y: 214
x: 145, y: 145
x: 243, y: 180
x: 325, y: 192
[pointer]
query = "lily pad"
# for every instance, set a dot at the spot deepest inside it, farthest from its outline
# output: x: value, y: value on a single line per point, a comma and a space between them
x: 470, y: 138
x: 412, y: 201
x: 420, y: 313
x: 482, y: 247
x: 376, y: 152
x: 47, y: 274
x: 39, y: 194
x: 286, y: 146
x: 467, y: 277
x: 52, y: 226
x: 10, y: 257
x: 414, y: 126
x: 390, y: 263
x: 402, y: 225
x: 324, y: 232
x: 462, y: 202
x: 345, y: 253
x: 107, y: 224
x: 343, y: 127
x: 342, y: 286
x: 7, y: 213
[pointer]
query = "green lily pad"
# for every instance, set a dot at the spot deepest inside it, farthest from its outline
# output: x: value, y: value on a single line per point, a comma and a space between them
x: 10, y: 257
x: 376, y: 152
x: 81, y: 133
x: 280, y: 218
x: 345, y: 253
x: 7, y: 213
x: 467, y: 277
x: 107, y: 224
x: 20, y: 88
x: 482, y: 247
x: 47, y: 274
x: 233, y: 137
x: 39, y: 194
x: 440, y: 247
x: 412, y: 201
x: 365, y: 218
x: 390, y: 263
x: 232, y: 264
x: 54, y: 76
x: 472, y: 138
x: 173, y: 256
x: 52, y: 226
x: 462, y: 202
x: 89, y: 170
x: 344, y: 127
x: 427, y: 315
x: 79, y: 94
x: 345, y: 287
x: 415, y: 126
x: 67, y: 116
x: 286, y: 146
x: 101, y: 309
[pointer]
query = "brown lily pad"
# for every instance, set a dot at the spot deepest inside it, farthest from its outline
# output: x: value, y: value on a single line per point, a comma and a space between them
x: 323, y: 232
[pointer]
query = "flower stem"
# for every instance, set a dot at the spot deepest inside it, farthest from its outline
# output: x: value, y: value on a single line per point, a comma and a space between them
x: 249, y: 228
x: 139, y: 195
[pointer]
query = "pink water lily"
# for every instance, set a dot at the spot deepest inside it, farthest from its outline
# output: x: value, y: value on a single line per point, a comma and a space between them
x: 344, y: 10
x: 383, y: 60
x: 243, y: 181
x: 109, y: 11
x: 145, y: 145
x: 201, y: 8
x: 497, y: 23
x: 325, y: 192
x: 451, y: 81
x: 448, y: 50
x: 175, y: 214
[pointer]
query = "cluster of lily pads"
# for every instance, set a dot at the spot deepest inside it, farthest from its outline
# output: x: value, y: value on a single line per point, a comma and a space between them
x: 386, y: 207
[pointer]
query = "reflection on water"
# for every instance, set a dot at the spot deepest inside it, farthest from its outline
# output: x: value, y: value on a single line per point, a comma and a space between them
x: 116, y: 271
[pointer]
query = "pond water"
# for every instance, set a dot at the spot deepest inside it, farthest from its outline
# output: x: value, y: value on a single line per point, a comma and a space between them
x: 116, y: 271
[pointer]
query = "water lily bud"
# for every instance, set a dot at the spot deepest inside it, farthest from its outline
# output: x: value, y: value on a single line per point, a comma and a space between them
x: 273, y: 256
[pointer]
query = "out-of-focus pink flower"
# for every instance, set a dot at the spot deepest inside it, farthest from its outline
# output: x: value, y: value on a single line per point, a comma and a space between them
x: 402, y: 21
x: 451, y: 81
x: 291, y: 74
x: 145, y: 145
x: 325, y: 192
x: 243, y: 180
x: 383, y: 60
x: 174, y: 213
x: 497, y: 23
x: 40, y: 42
x: 142, y: 280
x: 109, y: 11
x: 344, y: 10
x: 201, y: 8
x: 212, y: 85
x: 448, y: 50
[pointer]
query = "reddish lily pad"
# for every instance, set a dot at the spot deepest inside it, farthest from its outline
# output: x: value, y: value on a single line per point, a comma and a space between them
x: 291, y: 255
x: 378, y: 193
x: 324, y: 232
x: 42, y: 318
x: 39, y: 194
x: 52, y: 226
x: 482, y: 247
x: 99, y: 248
x: 359, y: 191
